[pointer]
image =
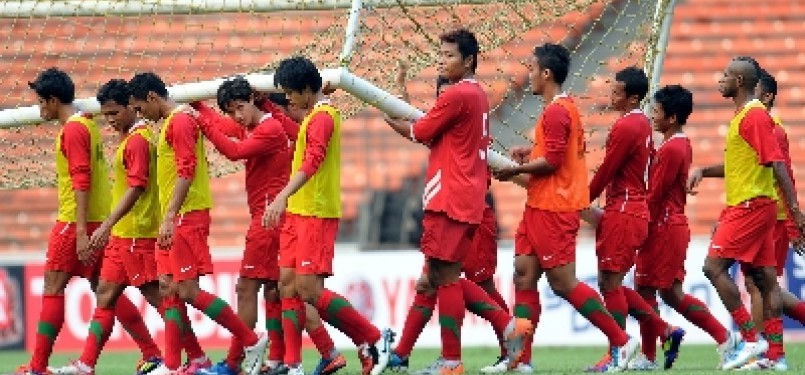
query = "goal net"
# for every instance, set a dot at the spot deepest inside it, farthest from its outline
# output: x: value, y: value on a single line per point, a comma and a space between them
x: 198, y: 41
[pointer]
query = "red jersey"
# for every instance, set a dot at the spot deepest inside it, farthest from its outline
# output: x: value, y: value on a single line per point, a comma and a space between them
x: 457, y: 129
x: 75, y: 146
x: 667, y: 185
x: 266, y: 150
x: 624, y: 172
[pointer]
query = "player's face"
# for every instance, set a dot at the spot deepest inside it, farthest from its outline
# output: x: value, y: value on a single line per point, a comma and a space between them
x: 245, y: 113
x: 451, y: 64
x: 536, y: 74
x: 120, y: 117
x: 661, y: 124
x: 148, y: 108
x: 300, y: 99
x: 295, y: 113
x: 618, y: 98
x: 728, y: 83
x: 48, y: 108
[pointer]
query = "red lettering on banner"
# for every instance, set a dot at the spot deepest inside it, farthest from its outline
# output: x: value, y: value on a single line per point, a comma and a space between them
x: 392, y: 293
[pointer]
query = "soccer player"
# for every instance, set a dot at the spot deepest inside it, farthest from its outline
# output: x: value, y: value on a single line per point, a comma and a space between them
x: 557, y: 191
x: 84, y: 201
x: 753, y: 169
x: 185, y: 201
x: 661, y: 259
x: 128, y: 258
x: 262, y: 142
x: 784, y: 232
x: 307, y: 241
x: 479, y: 267
x: 624, y: 224
x: 457, y: 130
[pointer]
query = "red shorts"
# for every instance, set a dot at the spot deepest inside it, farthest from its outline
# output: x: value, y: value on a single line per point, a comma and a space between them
x: 661, y: 259
x: 617, y: 238
x: 444, y: 238
x: 189, y: 255
x: 482, y: 259
x: 62, y: 253
x: 746, y: 233
x: 261, y: 252
x: 782, y: 243
x: 307, y: 244
x: 550, y: 236
x: 128, y: 261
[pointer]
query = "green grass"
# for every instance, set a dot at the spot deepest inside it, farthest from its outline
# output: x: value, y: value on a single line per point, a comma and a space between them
x: 695, y: 359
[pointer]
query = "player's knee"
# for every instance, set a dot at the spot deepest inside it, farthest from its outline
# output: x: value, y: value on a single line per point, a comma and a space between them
x: 247, y: 289
x: 106, y: 294
x: 152, y: 293
x: 308, y: 291
x: 671, y: 297
x: 55, y: 282
x: 271, y: 292
x: 423, y: 286
x: 187, y: 291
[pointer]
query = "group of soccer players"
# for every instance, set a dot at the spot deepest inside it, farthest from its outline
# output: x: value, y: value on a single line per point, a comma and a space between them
x: 150, y: 228
x: 642, y: 224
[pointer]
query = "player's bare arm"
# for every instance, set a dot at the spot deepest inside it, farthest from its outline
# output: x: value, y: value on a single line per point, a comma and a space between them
x: 400, y: 126
x: 402, y: 72
x: 178, y: 196
x: 275, y: 209
x: 695, y: 178
x: 101, y: 235
x: 82, y: 237
x: 789, y: 194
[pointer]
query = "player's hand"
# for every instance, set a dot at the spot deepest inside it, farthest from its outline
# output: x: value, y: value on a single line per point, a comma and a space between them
x: 714, y: 230
x: 83, y: 249
x: 505, y: 173
x: 165, y: 237
x: 328, y: 89
x: 798, y: 244
x: 694, y: 180
x: 402, y: 72
x: 274, y: 211
x: 100, y: 238
x: 799, y: 221
x: 191, y: 110
x: 520, y: 154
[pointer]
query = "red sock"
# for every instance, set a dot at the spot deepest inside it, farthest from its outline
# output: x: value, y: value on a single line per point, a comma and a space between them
x: 586, y: 301
x: 797, y: 313
x: 696, y: 312
x: 51, y: 319
x: 235, y: 354
x: 648, y: 334
x: 293, y: 319
x: 339, y: 313
x: 745, y: 324
x: 479, y: 303
x: 189, y: 341
x: 773, y: 328
x: 222, y: 313
x: 418, y: 316
x: 171, y: 313
x: 450, y: 298
x: 645, y: 314
x: 321, y: 339
x: 103, y: 320
x: 617, y: 306
x: 131, y: 320
x: 276, y: 346
x: 527, y: 305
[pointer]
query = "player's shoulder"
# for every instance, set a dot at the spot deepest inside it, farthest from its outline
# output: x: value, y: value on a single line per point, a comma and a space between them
x: 269, y: 126
x: 677, y: 144
x: 558, y: 108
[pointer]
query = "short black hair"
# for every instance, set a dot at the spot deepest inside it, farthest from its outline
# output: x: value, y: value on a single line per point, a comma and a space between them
x: 675, y: 100
x: 441, y: 81
x: 116, y: 90
x: 750, y: 60
x: 143, y: 83
x: 237, y: 88
x: 635, y: 81
x: 297, y: 74
x: 467, y: 44
x: 54, y: 83
x: 279, y: 98
x: 768, y: 85
x: 554, y: 57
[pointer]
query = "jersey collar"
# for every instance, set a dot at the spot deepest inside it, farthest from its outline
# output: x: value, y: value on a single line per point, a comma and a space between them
x: 559, y: 96
x: 137, y: 125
